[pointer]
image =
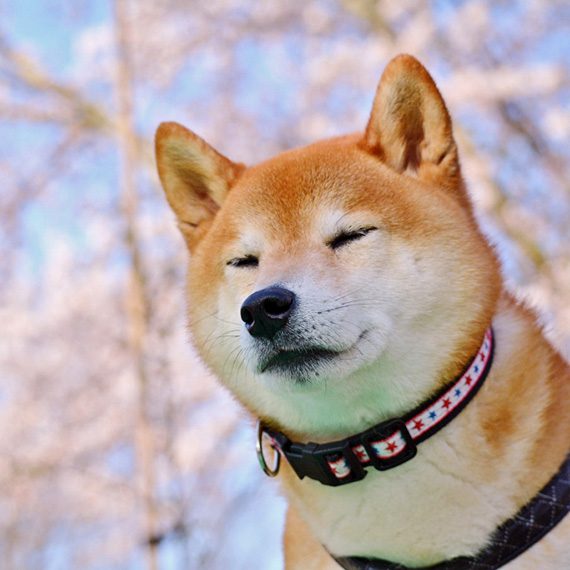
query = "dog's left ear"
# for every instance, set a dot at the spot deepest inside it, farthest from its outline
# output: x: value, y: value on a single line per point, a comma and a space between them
x: 410, y: 128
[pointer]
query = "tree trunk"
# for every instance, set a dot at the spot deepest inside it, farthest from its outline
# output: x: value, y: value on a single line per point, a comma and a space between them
x: 137, y: 299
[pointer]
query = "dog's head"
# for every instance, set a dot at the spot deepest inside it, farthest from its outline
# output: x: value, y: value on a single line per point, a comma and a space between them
x: 338, y: 282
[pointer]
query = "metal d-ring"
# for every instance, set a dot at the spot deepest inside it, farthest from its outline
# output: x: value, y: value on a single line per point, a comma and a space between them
x: 270, y: 472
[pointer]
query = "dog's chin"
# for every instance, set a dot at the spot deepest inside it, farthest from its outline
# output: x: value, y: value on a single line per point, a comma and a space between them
x: 299, y: 367
x: 311, y: 367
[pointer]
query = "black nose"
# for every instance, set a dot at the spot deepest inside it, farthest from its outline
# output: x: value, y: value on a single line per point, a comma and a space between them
x: 265, y: 312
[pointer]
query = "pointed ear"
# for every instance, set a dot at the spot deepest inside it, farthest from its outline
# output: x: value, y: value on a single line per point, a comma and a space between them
x: 195, y: 177
x: 410, y: 128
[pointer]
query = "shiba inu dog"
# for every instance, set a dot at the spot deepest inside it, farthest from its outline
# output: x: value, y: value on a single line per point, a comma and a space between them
x: 344, y: 293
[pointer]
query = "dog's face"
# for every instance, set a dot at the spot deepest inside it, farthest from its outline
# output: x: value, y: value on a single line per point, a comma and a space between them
x: 326, y: 275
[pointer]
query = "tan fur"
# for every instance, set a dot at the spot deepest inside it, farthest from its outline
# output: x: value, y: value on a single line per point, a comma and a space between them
x: 406, y: 308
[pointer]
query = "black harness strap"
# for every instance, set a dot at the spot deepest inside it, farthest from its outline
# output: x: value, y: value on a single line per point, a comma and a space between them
x: 510, y: 540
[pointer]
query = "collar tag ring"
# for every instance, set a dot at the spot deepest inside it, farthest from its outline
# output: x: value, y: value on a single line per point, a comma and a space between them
x: 259, y: 448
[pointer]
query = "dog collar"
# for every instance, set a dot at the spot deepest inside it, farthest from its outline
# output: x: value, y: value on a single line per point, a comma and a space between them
x: 509, y: 541
x: 387, y: 444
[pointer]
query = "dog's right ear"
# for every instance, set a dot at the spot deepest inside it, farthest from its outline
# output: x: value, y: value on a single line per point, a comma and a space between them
x: 195, y: 177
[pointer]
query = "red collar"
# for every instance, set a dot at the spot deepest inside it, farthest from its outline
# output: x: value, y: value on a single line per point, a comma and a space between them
x: 387, y: 444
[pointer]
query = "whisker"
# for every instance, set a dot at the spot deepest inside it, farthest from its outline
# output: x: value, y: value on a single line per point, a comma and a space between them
x: 231, y: 354
x: 204, y: 317
x: 211, y: 341
x: 349, y: 292
x: 356, y: 303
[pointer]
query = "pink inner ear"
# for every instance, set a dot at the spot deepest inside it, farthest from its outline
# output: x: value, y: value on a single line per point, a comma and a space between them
x: 409, y: 123
x: 195, y: 177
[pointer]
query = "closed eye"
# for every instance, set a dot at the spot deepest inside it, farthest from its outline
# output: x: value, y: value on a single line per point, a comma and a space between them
x: 245, y: 261
x: 346, y: 237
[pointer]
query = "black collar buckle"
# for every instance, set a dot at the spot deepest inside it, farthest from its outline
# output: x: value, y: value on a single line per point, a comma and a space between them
x: 312, y: 460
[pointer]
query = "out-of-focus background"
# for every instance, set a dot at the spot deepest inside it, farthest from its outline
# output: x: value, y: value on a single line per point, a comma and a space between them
x: 117, y: 450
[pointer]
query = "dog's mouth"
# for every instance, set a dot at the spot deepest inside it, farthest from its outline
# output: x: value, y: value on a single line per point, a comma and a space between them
x: 305, y: 362
x: 302, y: 360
